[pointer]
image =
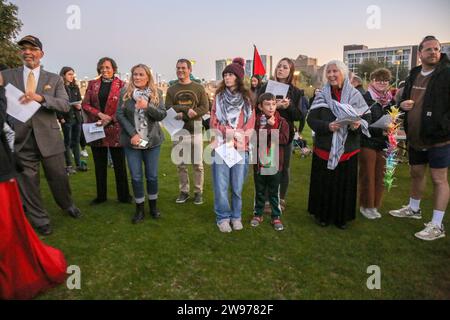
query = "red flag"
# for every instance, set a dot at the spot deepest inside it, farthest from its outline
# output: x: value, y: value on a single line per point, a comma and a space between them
x: 258, y: 66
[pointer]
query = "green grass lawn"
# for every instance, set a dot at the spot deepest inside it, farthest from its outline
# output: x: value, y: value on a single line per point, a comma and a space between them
x: 184, y: 256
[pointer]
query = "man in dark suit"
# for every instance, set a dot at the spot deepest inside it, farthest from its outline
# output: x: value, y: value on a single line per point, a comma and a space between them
x: 39, y: 139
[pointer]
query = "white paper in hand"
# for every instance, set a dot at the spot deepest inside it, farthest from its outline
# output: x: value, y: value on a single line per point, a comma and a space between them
x: 92, y: 132
x: 228, y: 154
x: 96, y: 129
x: 382, y: 123
x: 171, y: 124
x: 22, y: 112
x: 277, y: 88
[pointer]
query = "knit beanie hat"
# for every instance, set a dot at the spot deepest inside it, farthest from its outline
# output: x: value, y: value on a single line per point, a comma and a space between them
x: 236, y: 68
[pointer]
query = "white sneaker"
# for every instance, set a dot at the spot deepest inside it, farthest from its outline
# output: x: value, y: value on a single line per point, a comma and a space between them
x: 375, y: 213
x: 431, y: 232
x: 237, y: 225
x: 367, y: 213
x: 224, y: 226
x: 84, y: 153
x: 406, y: 212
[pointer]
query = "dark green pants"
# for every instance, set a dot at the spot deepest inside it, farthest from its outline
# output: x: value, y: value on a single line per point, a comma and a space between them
x: 267, y: 186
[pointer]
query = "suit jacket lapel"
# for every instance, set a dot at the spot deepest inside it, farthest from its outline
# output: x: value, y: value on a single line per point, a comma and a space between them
x: 113, y: 94
x: 19, y: 79
x: 43, y: 78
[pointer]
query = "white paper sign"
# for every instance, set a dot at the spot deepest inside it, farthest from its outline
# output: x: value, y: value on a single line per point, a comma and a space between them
x: 277, y: 88
x: 96, y: 129
x: 171, y: 124
x: 92, y: 132
x: 382, y: 123
x: 22, y: 112
x: 228, y: 154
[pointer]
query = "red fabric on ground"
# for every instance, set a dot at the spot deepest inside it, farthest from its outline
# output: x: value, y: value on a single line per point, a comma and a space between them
x: 27, y: 266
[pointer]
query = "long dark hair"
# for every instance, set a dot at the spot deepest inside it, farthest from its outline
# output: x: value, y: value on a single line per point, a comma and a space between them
x: 290, y: 79
x: 239, y: 88
x: 259, y: 78
x: 63, y: 72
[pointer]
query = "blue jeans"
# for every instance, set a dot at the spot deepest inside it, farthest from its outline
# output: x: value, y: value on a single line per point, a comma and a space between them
x: 72, y: 132
x: 223, y: 178
x: 150, y: 157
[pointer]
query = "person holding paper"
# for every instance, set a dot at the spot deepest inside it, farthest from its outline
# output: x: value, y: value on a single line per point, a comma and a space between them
x: 71, y: 121
x: 38, y: 141
x: 289, y: 108
x: 334, y: 169
x: 371, y: 159
x: 190, y: 102
x: 140, y: 109
x: 233, y: 117
x: 100, y: 104
x: 267, y: 171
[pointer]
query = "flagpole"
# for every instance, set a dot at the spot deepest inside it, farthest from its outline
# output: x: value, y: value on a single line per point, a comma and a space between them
x: 253, y: 67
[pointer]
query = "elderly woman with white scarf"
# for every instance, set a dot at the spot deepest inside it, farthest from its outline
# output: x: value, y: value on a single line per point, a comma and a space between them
x: 338, y: 116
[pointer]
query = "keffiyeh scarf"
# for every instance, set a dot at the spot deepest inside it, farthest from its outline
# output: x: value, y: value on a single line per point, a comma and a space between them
x: 229, y: 107
x: 352, y: 105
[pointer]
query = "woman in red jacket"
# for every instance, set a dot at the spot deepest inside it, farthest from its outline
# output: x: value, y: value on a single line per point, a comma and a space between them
x: 100, y: 104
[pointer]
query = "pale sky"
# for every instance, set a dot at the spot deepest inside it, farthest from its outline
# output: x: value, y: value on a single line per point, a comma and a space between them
x: 157, y: 33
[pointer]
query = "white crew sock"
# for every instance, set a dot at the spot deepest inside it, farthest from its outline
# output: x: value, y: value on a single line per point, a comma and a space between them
x: 414, y: 204
x: 438, y: 216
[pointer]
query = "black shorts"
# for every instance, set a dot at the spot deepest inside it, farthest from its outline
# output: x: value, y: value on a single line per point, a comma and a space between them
x: 437, y: 157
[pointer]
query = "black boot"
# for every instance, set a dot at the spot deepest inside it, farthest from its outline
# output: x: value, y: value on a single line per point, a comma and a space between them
x: 139, y: 216
x: 154, y: 212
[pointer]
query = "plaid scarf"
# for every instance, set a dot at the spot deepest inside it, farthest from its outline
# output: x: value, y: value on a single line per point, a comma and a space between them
x: 229, y: 107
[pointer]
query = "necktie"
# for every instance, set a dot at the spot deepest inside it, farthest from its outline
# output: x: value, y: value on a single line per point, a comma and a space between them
x: 31, y: 87
x: 31, y: 83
